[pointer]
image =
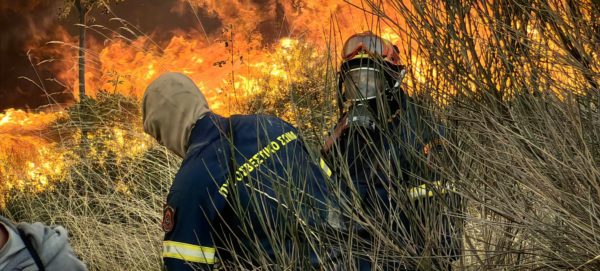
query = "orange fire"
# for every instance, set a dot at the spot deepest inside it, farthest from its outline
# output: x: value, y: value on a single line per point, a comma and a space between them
x: 230, y: 69
x: 221, y: 65
x: 29, y: 160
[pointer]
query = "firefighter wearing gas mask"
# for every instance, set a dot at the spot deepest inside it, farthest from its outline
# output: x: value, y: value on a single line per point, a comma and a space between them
x: 369, y: 92
x: 380, y: 150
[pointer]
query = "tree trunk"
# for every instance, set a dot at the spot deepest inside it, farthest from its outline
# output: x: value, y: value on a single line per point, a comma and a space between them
x: 83, y: 110
x: 82, y: 14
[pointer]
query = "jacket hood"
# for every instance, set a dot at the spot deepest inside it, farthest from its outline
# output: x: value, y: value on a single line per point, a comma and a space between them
x: 52, y: 246
x: 171, y: 106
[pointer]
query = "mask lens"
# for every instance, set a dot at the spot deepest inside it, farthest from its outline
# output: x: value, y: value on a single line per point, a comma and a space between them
x: 374, y: 45
x: 363, y: 83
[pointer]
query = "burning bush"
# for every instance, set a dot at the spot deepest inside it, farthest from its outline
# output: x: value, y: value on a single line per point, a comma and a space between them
x: 29, y: 160
x: 298, y: 88
x: 111, y: 169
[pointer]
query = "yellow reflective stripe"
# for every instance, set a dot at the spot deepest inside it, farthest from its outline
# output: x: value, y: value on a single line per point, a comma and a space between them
x: 361, y: 55
x: 421, y: 191
x: 189, y: 252
x: 325, y: 168
x: 190, y: 246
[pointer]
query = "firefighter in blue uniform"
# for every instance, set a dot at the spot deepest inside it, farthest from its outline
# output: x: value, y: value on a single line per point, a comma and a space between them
x: 382, y: 145
x: 248, y: 193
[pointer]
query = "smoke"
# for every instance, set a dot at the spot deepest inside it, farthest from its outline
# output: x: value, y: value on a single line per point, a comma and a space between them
x: 275, y: 19
x: 25, y: 24
x: 266, y: 18
x: 33, y: 26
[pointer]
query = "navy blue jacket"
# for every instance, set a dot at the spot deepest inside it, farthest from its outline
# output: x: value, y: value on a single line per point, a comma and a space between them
x: 246, y: 185
x: 390, y: 173
x: 391, y: 157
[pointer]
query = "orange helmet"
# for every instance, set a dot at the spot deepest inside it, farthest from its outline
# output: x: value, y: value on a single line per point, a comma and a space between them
x: 357, y: 45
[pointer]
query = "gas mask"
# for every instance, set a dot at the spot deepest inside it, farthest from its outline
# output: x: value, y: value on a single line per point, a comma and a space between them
x: 369, y: 80
x: 370, y: 92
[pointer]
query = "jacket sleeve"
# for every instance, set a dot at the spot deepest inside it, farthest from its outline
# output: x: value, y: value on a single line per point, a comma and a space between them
x: 192, y: 206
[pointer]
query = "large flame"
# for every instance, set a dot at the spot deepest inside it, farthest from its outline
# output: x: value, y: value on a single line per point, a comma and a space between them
x: 230, y: 67
x: 250, y: 35
x: 248, y: 54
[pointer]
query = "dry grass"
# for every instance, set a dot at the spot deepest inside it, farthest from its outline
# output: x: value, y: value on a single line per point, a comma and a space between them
x: 111, y: 199
x: 113, y: 219
x: 518, y: 83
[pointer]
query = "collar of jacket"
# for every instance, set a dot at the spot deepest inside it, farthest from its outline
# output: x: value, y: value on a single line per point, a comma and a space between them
x: 207, y: 130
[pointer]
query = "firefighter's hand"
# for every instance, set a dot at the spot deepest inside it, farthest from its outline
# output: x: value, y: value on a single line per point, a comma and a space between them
x: 339, y: 129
